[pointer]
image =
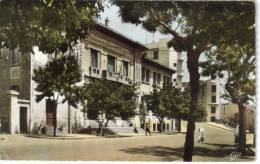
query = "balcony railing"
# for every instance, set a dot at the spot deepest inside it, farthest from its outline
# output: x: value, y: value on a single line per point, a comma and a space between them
x: 94, y: 72
x: 116, y: 77
x: 125, y: 79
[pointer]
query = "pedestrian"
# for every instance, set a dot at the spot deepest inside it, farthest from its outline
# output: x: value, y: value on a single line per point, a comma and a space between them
x: 99, y: 129
x: 236, y: 134
x: 201, y: 134
x: 147, y: 129
x: 135, y: 129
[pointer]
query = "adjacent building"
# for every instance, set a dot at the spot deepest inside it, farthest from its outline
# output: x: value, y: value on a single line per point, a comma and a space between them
x: 168, y: 57
x: 209, y: 97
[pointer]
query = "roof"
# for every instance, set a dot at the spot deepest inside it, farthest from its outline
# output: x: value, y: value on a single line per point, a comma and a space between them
x: 117, y: 35
x: 165, y: 68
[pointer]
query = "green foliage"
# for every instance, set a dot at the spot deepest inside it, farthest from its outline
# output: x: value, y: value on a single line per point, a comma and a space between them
x: 57, y: 79
x: 143, y: 109
x: 52, y: 25
x: 173, y: 103
x: 112, y: 98
x: 194, y: 25
x: 236, y: 63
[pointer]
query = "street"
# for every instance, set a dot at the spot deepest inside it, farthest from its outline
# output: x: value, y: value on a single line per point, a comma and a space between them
x: 218, y: 146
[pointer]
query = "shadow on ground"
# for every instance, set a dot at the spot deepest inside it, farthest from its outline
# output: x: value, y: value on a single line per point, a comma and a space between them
x: 57, y: 137
x: 171, y: 154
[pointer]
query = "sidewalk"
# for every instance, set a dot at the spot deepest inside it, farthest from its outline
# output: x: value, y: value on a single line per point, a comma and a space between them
x: 217, y: 125
x: 249, y: 136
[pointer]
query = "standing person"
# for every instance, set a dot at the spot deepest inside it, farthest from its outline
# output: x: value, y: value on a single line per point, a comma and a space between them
x: 99, y: 129
x: 201, y: 134
x: 135, y: 129
x: 147, y: 129
x: 236, y: 134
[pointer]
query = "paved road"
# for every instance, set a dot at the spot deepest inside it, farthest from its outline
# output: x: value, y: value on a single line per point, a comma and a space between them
x: 217, y: 147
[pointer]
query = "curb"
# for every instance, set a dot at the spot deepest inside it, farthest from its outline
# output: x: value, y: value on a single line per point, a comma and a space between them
x: 217, y: 127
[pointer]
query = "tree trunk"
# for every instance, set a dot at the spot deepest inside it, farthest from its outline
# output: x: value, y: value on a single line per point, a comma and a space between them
x: 179, y: 125
x: 242, y: 129
x: 161, y: 125
x: 192, y: 64
x: 69, y: 114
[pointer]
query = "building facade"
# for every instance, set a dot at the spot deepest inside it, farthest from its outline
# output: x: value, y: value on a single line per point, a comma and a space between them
x: 105, y: 54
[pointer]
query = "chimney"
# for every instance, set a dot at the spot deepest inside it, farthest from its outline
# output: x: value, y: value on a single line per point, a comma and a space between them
x: 106, y: 22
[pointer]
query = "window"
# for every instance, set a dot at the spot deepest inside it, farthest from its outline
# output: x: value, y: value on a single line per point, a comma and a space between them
x: 213, y: 99
x: 147, y: 74
x: 111, y: 64
x: 174, y: 64
x: 158, y: 79
x: 155, y: 55
x: 174, y: 80
x: 168, y: 127
x: 213, y: 119
x: 213, y: 88
x: 213, y: 109
x: 165, y: 79
x: 94, y: 58
x: 143, y: 74
x: 15, y: 57
x: 125, y: 68
x: 169, y: 79
x: 154, y: 78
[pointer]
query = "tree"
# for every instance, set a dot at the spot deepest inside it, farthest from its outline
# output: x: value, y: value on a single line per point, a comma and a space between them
x: 195, y: 28
x: 52, y: 25
x: 236, y: 63
x: 57, y: 81
x: 180, y: 105
x: 143, y: 110
x: 110, y: 98
x: 155, y: 104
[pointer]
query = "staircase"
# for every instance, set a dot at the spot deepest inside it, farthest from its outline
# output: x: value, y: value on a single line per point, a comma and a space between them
x: 119, y: 127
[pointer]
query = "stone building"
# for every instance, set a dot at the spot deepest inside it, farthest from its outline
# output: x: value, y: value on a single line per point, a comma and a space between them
x: 105, y: 54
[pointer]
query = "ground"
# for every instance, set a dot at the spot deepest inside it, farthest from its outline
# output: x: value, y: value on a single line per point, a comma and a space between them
x: 218, y: 146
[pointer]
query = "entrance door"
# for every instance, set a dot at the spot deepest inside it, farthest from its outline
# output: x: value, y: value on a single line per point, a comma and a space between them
x: 23, y: 120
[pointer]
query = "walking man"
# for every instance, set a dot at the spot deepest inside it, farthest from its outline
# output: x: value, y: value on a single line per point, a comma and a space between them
x: 147, y: 129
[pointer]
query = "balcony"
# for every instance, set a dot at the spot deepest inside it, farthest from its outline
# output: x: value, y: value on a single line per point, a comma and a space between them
x: 124, y: 79
x: 109, y: 75
x: 94, y: 72
x: 116, y: 77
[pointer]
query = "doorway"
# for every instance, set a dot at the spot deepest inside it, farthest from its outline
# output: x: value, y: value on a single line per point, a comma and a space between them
x: 23, y: 120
